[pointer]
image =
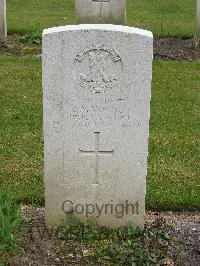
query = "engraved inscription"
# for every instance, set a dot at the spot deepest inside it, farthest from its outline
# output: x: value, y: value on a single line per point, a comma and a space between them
x: 97, y: 152
x: 98, y: 116
x: 105, y: 111
x: 101, y: 5
x: 98, y: 68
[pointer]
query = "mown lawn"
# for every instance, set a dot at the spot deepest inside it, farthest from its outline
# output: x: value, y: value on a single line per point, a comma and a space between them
x: 174, y: 168
x: 173, y: 174
x: 163, y: 17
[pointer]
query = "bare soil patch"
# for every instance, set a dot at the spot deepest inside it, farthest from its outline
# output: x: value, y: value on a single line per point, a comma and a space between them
x: 41, y: 246
x: 176, y: 49
x: 12, y: 45
x: 186, y: 227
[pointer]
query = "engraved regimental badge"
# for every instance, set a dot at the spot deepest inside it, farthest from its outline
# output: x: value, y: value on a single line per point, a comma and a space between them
x: 98, y: 68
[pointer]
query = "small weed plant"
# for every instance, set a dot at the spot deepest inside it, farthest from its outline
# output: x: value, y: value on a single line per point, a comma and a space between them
x: 10, y: 219
x: 123, y: 246
x: 32, y: 38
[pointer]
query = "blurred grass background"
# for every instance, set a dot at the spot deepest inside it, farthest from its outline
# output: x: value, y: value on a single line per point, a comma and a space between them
x: 162, y: 17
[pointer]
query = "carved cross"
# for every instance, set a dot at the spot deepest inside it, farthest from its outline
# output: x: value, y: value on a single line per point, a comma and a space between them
x: 101, y: 5
x: 97, y: 152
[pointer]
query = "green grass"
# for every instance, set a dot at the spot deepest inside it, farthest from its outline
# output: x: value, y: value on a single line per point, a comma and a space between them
x: 163, y: 17
x: 21, y: 141
x: 173, y: 174
x: 35, y: 15
x: 174, y: 168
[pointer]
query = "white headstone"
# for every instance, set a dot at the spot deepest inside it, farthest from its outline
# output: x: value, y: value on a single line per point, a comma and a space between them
x: 97, y: 88
x: 198, y: 18
x: 3, y: 27
x: 100, y: 11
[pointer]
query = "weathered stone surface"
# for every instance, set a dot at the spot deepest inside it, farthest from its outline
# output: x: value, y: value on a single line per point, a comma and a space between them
x: 97, y: 88
x: 100, y: 11
x: 3, y: 27
x: 198, y: 18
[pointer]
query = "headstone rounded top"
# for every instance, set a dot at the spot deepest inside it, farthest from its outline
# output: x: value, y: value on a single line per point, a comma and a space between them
x: 104, y: 27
